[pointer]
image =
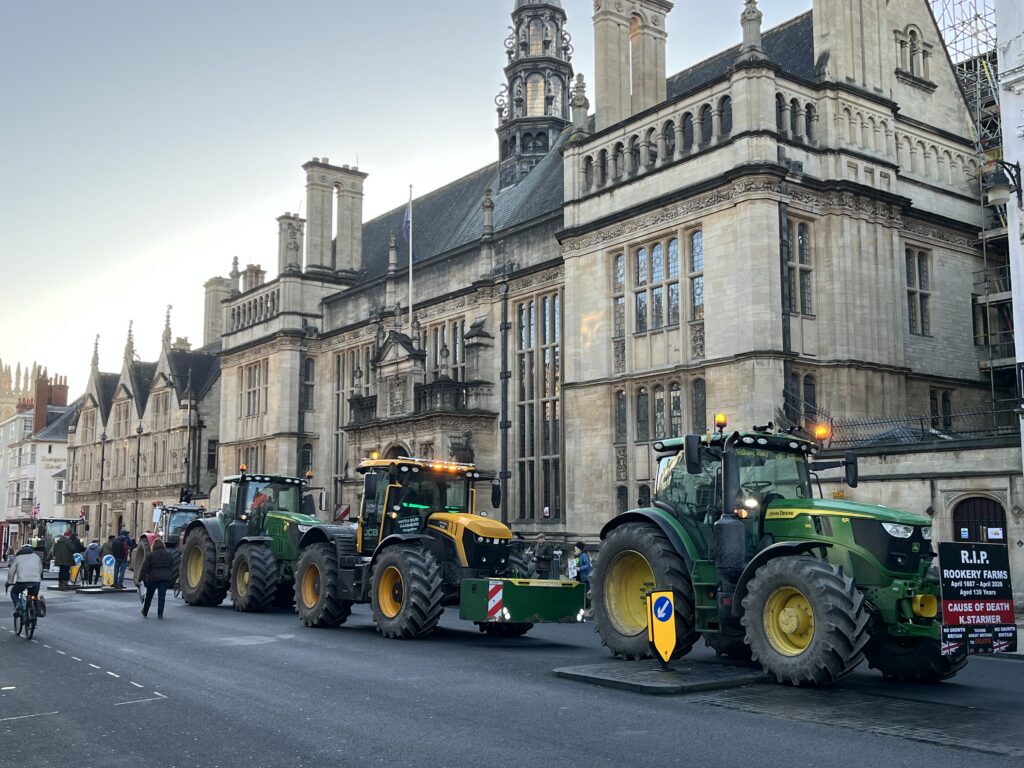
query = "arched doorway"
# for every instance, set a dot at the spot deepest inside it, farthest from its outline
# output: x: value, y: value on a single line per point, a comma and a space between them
x: 395, y: 452
x: 979, y: 519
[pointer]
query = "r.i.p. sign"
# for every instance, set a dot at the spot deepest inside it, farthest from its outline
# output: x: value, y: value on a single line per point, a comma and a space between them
x: 661, y: 624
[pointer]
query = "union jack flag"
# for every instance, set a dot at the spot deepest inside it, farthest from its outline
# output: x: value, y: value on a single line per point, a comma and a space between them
x: 1000, y: 646
x: 949, y: 648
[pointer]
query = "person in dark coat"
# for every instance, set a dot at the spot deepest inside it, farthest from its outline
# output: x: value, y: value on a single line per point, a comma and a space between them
x: 92, y: 562
x: 157, y: 571
x: 123, y: 546
x: 64, y: 557
x: 543, y: 555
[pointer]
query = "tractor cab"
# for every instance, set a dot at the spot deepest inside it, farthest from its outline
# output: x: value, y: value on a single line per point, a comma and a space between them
x: 408, y: 496
x: 252, y: 505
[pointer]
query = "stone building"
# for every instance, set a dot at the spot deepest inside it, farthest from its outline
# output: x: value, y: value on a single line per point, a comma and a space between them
x: 143, y: 435
x: 786, y: 229
x: 16, y: 387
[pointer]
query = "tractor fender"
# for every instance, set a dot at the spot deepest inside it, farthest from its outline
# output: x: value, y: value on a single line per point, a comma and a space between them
x: 782, y: 549
x: 212, y: 526
x: 672, y: 529
x: 407, y: 538
x: 262, y: 540
x: 320, y: 534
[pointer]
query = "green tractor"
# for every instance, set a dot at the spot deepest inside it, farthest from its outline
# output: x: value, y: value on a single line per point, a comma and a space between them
x: 251, y: 546
x: 806, y: 587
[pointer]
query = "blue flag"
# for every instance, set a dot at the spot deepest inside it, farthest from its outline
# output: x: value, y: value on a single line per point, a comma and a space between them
x: 406, y: 220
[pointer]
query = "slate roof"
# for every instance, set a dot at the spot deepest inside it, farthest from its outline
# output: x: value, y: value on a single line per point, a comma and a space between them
x: 56, y: 429
x: 205, y: 369
x: 789, y: 45
x: 142, y: 379
x: 452, y: 215
x: 106, y: 386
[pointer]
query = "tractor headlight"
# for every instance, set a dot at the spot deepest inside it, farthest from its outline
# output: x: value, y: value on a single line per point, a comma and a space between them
x: 479, y: 539
x: 899, y: 531
x: 303, y: 528
x: 926, y: 532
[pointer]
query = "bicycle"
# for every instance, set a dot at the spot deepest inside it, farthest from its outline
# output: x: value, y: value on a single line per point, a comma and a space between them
x: 26, y: 614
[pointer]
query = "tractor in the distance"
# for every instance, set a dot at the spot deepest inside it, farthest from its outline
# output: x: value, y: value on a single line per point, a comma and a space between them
x: 421, y: 544
x: 806, y: 587
x: 170, y: 522
x: 250, y: 547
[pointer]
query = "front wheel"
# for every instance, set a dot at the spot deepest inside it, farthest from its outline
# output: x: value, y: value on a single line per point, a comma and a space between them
x: 912, y: 659
x: 637, y: 559
x: 19, y: 621
x: 30, y: 624
x: 316, y: 588
x: 198, y: 575
x: 406, y: 592
x: 805, y: 621
x: 253, y: 579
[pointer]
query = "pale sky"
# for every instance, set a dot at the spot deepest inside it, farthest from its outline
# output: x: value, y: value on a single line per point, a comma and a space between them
x: 144, y: 143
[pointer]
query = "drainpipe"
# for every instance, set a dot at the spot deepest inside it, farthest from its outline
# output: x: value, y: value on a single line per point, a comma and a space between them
x: 506, y: 423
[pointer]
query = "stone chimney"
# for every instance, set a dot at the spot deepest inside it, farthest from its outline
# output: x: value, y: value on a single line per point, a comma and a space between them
x: 59, y: 391
x: 253, y: 277
x: 629, y: 58
x: 290, y: 232
x: 323, y: 179
x: 750, y: 21
x: 40, y: 400
x: 218, y: 290
x: 181, y: 344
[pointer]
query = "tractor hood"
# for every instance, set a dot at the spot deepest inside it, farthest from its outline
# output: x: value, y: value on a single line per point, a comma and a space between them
x: 481, y: 526
x: 293, y: 518
x: 849, y: 509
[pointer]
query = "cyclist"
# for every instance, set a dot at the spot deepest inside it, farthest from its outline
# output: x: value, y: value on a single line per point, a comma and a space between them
x: 26, y: 572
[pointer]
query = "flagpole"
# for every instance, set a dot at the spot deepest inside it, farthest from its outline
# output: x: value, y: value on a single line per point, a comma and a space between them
x: 410, y: 261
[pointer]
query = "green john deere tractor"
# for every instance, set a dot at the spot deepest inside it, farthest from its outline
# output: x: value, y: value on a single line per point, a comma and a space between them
x: 251, y: 546
x: 806, y: 587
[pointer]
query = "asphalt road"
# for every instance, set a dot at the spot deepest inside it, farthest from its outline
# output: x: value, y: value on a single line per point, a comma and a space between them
x: 207, y: 687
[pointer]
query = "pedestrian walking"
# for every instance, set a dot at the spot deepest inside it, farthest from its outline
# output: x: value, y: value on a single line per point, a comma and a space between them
x: 543, y: 554
x: 122, y: 550
x: 92, y: 562
x: 138, y: 558
x: 583, y: 565
x: 157, y: 571
x: 64, y: 557
x: 108, y: 547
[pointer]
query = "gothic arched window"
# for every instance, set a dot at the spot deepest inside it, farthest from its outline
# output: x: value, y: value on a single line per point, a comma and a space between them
x: 621, y: 499
x: 643, y: 415
x: 659, y: 412
x: 643, y: 497
x: 308, y: 384
x: 700, y: 408
x: 687, y: 132
x: 725, y: 108
x: 809, y: 122
x: 675, y: 410
x: 706, y: 125
x: 620, y: 416
x: 535, y: 96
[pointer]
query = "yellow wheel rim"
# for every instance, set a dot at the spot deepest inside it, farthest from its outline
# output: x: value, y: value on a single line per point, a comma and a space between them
x: 195, y: 567
x: 242, y: 579
x: 626, y: 586
x: 789, y: 621
x: 390, y: 591
x: 310, y: 587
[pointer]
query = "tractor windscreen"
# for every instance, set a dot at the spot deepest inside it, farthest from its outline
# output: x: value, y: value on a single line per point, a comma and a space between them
x: 55, y: 528
x: 263, y: 497
x: 772, y: 475
x: 177, y: 522
x: 435, y: 493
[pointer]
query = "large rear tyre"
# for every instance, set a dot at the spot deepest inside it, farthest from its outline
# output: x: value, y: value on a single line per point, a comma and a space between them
x: 405, y: 592
x: 198, y: 577
x: 805, y: 620
x: 316, y: 588
x: 176, y: 572
x: 519, y: 568
x: 912, y: 659
x: 636, y: 559
x: 253, y: 579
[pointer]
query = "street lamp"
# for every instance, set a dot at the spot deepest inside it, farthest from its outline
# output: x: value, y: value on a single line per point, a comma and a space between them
x: 1003, y: 181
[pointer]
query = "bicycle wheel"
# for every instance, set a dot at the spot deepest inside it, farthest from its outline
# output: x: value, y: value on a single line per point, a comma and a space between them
x: 19, y: 621
x: 30, y: 624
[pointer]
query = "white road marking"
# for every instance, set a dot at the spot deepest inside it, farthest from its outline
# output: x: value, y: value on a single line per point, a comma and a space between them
x: 62, y: 653
x: 25, y: 717
x: 112, y: 674
x: 139, y: 701
x: 157, y: 693
x: 45, y: 645
x: 76, y: 658
x: 94, y: 666
x: 135, y: 684
x: 7, y: 688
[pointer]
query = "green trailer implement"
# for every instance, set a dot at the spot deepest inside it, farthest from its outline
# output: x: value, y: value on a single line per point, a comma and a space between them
x: 808, y: 587
x: 420, y: 545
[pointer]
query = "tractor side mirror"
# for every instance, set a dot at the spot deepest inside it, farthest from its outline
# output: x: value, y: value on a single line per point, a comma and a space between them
x: 495, y: 495
x: 692, y: 451
x: 321, y: 500
x: 370, y: 485
x: 730, y: 480
x: 850, y: 467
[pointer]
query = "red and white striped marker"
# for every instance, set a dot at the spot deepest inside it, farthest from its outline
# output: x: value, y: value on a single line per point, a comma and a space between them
x: 494, y: 599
